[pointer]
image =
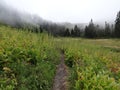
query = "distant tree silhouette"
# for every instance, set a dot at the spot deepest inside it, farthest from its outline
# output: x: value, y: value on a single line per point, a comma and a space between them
x: 86, y: 31
x: 98, y: 31
x: 90, y: 31
x: 72, y: 33
x: 67, y: 32
x: 112, y: 30
x: 41, y: 30
x: 117, y: 25
x: 107, y: 30
x: 76, y: 31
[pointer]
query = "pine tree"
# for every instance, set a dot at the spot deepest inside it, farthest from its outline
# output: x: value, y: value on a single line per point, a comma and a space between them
x: 72, y: 33
x: 107, y: 30
x: 117, y: 25
x: 90, y: 31
x: 76, y: 31
x: 67, y: 33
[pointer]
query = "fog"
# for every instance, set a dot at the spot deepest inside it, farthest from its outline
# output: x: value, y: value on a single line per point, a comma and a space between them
x: 12, y: 16
x: 74, y: 11
x: 58, y: 17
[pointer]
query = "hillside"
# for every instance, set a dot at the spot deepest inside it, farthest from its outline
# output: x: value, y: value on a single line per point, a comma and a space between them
x: 11, y: 16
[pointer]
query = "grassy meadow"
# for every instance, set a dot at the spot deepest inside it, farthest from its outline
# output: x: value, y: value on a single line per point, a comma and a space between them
x: 93, y: 64
x: 28, y: 61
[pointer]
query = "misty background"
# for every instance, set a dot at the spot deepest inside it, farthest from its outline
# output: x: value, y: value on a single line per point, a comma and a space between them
x: 72, y: 11
x: 76, y: 18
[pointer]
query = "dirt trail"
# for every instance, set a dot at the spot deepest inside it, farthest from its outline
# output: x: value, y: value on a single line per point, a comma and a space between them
x: 60, y: 81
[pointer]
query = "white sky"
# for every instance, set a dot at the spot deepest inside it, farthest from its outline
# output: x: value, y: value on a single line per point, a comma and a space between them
x: 75, y: 11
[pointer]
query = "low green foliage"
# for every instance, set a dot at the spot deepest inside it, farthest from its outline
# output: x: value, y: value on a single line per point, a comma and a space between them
x: 27, y: 60
x: 92, y: 65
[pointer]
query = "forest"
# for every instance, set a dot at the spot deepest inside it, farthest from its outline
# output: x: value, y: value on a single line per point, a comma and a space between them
x: 91, y: 30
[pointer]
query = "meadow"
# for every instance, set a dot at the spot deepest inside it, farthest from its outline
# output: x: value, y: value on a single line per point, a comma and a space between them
x: 28, y: 61
x: 93, y: 64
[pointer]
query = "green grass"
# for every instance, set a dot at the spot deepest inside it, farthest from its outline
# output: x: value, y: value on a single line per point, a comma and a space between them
x: 93, y: 64
x: 28, y: 61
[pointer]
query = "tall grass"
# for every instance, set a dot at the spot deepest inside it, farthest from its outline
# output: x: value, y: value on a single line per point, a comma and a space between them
x: 27, y: 60
x: 92, y: 65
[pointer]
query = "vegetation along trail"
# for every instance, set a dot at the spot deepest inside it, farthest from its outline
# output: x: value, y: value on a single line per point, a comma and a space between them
x: 60, y: 80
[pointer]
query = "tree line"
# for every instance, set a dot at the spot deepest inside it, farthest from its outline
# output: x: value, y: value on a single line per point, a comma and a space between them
x: 109, y: 31
x: 90, y: 31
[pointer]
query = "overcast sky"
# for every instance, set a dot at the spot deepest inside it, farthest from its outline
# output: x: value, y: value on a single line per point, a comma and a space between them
x: 75, y: 11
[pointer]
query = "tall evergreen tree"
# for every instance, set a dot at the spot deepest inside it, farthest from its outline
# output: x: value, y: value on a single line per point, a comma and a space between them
x: 107, y: 30
x: 76, y: 31
x: 86, y: 32
x: 112, y: 30
x: 67, y: 33
x: 72, y: 33
x: 117, y: 25
x: 90, y: 31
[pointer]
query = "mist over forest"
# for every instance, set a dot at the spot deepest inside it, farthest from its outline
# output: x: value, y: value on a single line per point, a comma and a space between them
x: 15, y: 18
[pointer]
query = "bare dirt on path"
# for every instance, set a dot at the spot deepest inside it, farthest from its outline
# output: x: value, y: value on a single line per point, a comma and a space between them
x: 60, y: 80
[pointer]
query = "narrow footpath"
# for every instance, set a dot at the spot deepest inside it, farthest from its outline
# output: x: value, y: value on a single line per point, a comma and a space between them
x: 60, y: 80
